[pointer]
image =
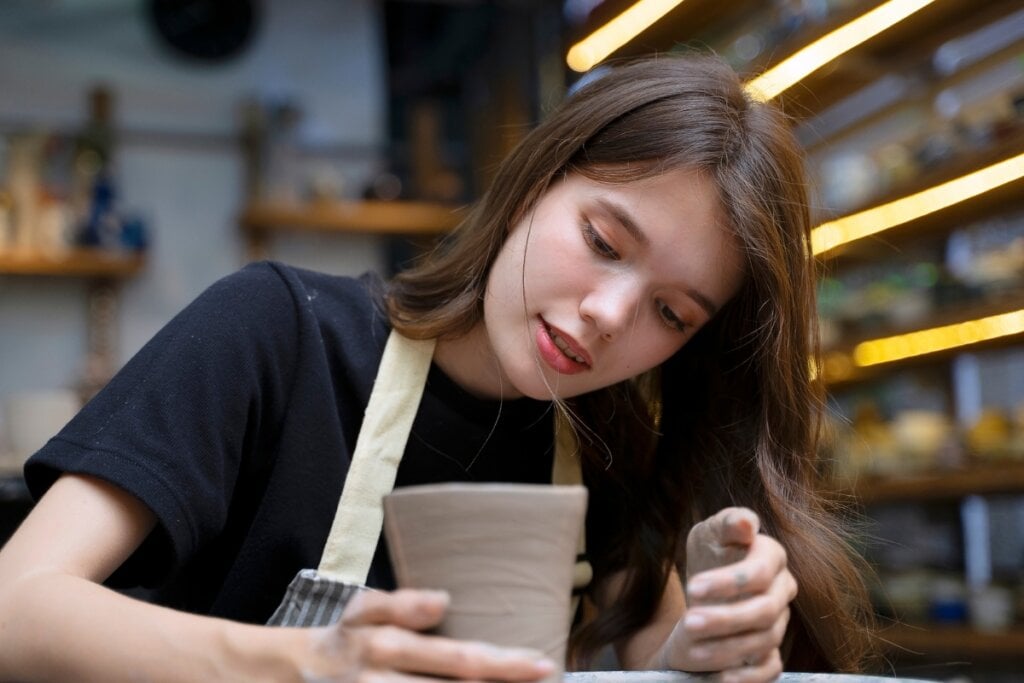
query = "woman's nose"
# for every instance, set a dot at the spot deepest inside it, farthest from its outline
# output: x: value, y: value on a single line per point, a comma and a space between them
x: 612, y: 308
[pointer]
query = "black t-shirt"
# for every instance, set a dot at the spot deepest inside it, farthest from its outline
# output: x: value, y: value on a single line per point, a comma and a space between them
x: 235, y: 425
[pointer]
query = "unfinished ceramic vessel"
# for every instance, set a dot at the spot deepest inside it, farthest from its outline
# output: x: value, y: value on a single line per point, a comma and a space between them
x: 505, y: 553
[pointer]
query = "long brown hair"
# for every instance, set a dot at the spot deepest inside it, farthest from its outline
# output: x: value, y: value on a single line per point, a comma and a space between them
x: 734, y: 417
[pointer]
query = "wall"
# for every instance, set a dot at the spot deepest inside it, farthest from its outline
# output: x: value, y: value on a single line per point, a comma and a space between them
x: 177, y: 163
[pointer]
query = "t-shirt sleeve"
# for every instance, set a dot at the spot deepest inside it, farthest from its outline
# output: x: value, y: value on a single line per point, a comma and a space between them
x: 179, y: 422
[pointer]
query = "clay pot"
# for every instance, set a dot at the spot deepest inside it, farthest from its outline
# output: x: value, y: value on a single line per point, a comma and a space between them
x: 504, y: 552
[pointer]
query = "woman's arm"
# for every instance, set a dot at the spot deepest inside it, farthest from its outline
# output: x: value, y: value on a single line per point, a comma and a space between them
x: 58, y: 624
x: 643, y: 650
x: 739, y: 592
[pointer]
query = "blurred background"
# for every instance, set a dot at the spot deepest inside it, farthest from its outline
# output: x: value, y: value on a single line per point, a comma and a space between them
x: 150, y: 147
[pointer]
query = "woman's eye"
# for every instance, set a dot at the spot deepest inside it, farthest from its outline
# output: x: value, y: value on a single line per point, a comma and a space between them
x: 597, y: 242
x: 670, y: 318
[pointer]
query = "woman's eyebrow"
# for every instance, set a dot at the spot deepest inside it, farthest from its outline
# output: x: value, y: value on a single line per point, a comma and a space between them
x: 707, y: 304
x: 623, y: 217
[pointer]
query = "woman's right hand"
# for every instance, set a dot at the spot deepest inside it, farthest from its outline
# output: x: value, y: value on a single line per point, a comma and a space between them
x: 378, y: 638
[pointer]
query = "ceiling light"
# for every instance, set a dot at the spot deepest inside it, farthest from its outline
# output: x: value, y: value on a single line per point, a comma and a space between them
x: 832, y: 234
x: 822, y: 51
x: 616, y: 33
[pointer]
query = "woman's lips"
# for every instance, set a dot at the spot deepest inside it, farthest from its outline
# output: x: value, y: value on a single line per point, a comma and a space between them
x: 549, y: 341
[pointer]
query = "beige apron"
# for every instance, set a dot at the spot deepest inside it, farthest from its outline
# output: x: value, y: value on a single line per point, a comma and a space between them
x: 316, y: 597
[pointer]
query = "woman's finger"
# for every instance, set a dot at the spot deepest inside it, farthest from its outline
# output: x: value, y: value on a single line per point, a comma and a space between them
x: 758, y: 613
x: 720, y: 539
x: 754, y: 573
x: 732, y: 525
x: 735, y: 526
x: 412, y: 609
x: 390, y: 647
x: 380, y: 676
x: 755, y: 671
x: 380, y: 631
x: 736, y: 651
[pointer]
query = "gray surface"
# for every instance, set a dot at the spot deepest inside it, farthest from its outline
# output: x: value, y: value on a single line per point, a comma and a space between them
x: 679, y: 677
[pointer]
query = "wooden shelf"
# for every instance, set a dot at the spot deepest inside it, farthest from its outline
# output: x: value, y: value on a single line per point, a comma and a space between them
x: 378, y: 217
x: 1005, y: 302
x: 839, y: 368
x: 933, y: 641
x: 919, y: 92
x: 951, y: 484
x: 1002, y: 199
x: 78, y: 262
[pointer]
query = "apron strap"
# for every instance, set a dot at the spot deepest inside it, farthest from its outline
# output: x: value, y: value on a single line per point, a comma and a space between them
x: 394, y: 401
x: 566, y: 472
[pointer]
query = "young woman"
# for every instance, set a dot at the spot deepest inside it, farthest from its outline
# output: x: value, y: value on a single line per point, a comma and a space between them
x: 641, y: 265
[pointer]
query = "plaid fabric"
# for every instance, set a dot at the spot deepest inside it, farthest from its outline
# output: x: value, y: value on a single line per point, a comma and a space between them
x: 313, y: 599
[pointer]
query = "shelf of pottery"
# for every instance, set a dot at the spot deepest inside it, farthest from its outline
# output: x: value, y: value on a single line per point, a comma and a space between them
x: 920, y: 229
x: 60, y: 218
x: 292, y: 188
x: 261, y: 219
x: 915, y: 144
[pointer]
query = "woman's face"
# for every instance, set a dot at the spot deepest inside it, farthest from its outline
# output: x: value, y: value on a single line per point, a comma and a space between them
x: 599, y: 283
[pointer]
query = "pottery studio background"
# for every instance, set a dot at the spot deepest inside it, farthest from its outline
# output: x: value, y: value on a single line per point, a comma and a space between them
x: 146, y: 152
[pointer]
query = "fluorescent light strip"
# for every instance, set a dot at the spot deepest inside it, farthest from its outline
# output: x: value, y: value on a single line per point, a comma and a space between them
x: 616, y: 33
x: 822, y: 51
x: 943, y: 338
x: 585, y: 54
x: 832, y: 234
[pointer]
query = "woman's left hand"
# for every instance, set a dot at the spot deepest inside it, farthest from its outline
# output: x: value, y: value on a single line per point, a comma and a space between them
x: 738, y: 592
